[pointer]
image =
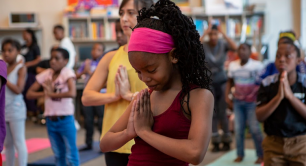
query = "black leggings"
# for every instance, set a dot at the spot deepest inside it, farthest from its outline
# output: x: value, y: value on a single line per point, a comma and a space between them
x: 116, y: 159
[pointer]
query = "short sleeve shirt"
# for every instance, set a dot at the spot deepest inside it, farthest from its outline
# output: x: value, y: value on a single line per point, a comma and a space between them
x: 244, y: 78
x: 285, y: 121
x: 215, y: 57
x: 58, y: 106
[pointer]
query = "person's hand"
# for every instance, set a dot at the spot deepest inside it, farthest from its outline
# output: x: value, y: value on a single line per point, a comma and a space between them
x: 220, y: 30
x: 130, y: 130
x: 124, y: 84
x: 48, y: 88
x: 229, y: 103
x: 87, y: 68
x: 143, y: 116
x: 208, y: 30
x: 280, y: 94
x: 287, y: 90
x: 117, y: 88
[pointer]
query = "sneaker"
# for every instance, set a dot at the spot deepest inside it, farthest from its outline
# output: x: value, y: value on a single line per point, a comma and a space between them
x: 86, y: 148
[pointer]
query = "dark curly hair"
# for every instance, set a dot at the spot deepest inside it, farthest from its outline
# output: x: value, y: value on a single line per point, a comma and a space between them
x: 189, y: 51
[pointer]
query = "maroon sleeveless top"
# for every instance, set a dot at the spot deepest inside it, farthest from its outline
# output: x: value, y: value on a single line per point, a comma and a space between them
x: 173, y: 124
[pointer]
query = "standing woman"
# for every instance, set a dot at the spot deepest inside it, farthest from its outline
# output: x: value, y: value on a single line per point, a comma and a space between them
x: 31, y: 53
x: 121, y: 87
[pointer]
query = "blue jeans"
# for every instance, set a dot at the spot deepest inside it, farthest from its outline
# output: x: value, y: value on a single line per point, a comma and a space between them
x: 62, y: 135
x: 245, y: 112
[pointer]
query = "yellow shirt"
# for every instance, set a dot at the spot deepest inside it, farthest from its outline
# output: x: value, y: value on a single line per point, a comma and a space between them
x: 113, y: 111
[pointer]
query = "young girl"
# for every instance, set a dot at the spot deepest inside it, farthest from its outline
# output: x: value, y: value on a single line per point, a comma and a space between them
x: 15, y: 109
x: 119, y: 95
x: 170, y: 123
x: 59, y: 89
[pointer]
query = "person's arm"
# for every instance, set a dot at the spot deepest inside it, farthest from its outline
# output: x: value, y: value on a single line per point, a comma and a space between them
x: 229, y: 85
x: 232, y: 45
x: 206, y: 32
x: 33, y: 91
x: 192, y: 149
x: 69, y: 94
x: 121, y: 132
x: 39, y: 69
x: 80, y: 71
x: 33, y: 62
x: 265, y: 110
x: 299, y: 106
x: 18, y: 88
x: 91, y: 94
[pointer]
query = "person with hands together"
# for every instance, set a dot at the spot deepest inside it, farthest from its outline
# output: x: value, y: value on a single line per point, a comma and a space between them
x: 281, y: 106
x: 59, y: 87
x: 115, y: 72
x: 15, y: 107
x: 170, y: 121
x: 87, y: 69
x: 216, y: 52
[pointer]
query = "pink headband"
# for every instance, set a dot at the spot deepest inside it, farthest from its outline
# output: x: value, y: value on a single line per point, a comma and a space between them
x: 149, y: 40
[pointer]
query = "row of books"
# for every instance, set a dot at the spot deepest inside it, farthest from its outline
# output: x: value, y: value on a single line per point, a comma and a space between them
x: 233, y: 27
x: 78, y: 30
x: 99, y: 30
x: 103, y: 30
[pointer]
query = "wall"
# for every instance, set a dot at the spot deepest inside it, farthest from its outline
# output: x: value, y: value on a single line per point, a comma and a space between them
x: 280, y: 15
x: 50, y: 13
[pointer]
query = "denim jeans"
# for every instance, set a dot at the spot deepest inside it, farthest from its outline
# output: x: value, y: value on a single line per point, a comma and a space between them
x: 62, y: 135
x: 245, y: 113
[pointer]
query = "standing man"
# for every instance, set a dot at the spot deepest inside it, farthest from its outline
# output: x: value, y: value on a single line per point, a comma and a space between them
x: 215, y: 52
x: 65, y: 43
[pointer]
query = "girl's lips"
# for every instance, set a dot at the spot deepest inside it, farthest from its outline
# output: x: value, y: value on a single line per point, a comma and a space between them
x: 152, y: 87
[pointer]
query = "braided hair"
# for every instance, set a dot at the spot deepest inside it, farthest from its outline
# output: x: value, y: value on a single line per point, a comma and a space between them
x: 165, y: 16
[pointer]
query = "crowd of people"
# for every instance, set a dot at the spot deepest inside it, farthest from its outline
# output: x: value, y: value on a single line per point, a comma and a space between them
x: 161, y: 97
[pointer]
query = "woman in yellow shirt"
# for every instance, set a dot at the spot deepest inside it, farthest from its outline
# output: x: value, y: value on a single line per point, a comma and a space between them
x: 116, y: 73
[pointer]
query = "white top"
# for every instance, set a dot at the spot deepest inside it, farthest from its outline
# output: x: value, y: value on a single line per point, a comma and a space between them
x: 58, y: 106
x: 15, y: 107
x: 251, y: 65
x: 19, y: 57
x: 68, y: 45
x: 245, y: 78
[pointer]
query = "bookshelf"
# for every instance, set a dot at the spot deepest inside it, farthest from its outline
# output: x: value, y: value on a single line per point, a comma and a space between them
x: 91, y: 29
x: 240, y: 27
x: 84, y: 31
x: 244, y: 27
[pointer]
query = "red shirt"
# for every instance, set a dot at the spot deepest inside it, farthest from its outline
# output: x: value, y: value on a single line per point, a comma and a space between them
x: 173, y: 124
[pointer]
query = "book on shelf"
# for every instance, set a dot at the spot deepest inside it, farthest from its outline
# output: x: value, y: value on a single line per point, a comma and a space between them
x: 78, y: 30
x: 105, y: 31
x: 233, y: 27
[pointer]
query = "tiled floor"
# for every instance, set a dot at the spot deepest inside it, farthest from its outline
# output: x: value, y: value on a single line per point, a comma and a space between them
x: 39, y: 131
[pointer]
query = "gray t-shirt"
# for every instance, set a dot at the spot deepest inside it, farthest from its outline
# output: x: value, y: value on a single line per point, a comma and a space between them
x: 215, y: 57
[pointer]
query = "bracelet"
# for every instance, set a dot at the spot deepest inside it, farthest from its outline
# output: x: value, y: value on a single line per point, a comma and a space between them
x: 133, y: 95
